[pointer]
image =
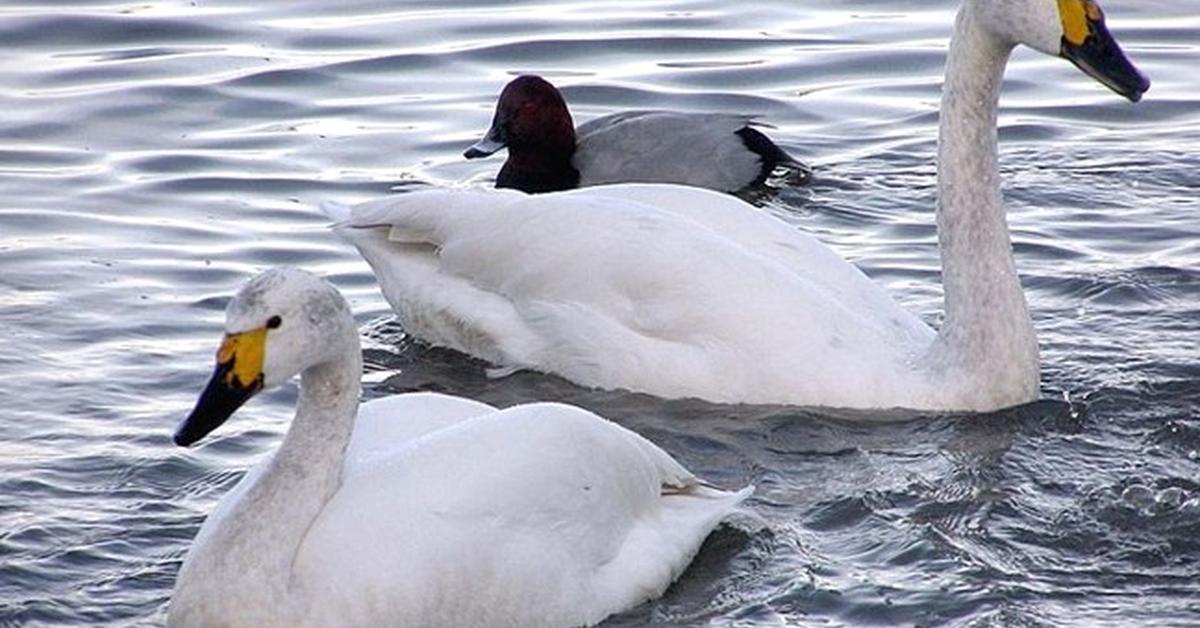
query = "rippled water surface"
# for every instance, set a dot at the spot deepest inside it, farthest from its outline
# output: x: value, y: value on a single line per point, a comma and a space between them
x: 154, y: 154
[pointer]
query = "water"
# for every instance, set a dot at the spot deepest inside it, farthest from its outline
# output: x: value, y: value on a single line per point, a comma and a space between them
x: 153, y: 155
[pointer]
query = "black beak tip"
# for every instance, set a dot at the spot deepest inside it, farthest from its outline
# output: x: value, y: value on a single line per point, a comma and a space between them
x: 183, y: 440
x: 187, y: 434
x: 474, y: 153
x: 1143, y: 86
x: 217, y: 402
x: 1100, y: 57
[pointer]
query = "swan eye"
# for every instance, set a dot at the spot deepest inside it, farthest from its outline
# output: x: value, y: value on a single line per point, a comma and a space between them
x: 274, y: 322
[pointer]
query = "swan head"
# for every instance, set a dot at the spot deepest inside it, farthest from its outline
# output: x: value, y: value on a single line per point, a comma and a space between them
x: 1071, y: 29
x: 281, y: 322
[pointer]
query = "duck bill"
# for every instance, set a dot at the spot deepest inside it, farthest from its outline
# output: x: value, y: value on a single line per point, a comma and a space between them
x: 1099, y: 56
x: 495, y: 139
x: 237, y: 378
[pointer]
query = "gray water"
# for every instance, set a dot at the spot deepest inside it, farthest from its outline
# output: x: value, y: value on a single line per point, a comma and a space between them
x: 153, y: 155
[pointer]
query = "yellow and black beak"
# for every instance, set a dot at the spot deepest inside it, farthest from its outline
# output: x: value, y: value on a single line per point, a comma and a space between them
x: 237, y: 378
x: 1087, y: 43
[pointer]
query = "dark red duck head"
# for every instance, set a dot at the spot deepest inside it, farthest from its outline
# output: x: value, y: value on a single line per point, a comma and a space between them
x: 532, y: 121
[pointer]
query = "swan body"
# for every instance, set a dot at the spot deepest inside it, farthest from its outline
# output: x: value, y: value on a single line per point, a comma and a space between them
x: 424, y: 509
x: 673, y: 290
x: 718, y: 151
x: 680, y: 292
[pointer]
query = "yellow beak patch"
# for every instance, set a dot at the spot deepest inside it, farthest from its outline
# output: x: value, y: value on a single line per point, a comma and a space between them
x: 246, y: 351
x: 1077, y: 16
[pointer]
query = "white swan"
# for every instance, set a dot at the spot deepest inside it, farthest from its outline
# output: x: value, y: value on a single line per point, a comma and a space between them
x: 426, y: 510
x: 681, y: 292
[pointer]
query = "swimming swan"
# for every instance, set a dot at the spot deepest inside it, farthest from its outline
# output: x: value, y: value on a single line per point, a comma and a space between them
x: 718, y: 151
x: 425, y: 509
x: 680, y: 292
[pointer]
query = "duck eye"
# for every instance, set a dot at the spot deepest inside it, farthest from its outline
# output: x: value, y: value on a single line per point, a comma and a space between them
x: 274, y: 322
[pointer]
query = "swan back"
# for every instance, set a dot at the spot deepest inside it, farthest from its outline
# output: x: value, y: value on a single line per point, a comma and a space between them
x: 644, y: 286
x: 538, y: 515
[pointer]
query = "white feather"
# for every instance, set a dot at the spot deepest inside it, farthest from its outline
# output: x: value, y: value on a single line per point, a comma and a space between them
x: 672, y: 290
x: 431, y: 510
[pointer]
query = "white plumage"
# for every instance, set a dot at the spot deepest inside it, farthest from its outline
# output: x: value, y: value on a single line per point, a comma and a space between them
x: 671, y: 290
x: 680, y: 292
x: 430, y: 510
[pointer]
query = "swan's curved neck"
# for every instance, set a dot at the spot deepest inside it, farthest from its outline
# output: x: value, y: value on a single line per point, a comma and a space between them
x: 271, y: 518
x: 987, y: 330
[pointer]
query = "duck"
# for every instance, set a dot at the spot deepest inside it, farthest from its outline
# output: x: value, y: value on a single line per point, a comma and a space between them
x: 546, y: 153
x: 678, y: 291
x: 421, y: 509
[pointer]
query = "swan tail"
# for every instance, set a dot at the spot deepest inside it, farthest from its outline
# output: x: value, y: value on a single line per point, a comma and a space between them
x: 400, y: 238
x: 678, y: 482
x: 337, y: 212
x: 426, y: 216
x: 657, y: 551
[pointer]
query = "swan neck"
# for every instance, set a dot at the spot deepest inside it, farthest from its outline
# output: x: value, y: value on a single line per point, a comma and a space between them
x: 275, y: 513
x: 313, y: 450
x: 307, y: 469
x: 987, y: 328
